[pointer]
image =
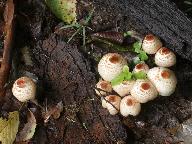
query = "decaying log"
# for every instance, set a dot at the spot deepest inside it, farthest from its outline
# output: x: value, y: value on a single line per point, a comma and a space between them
x: 162, y: 18
x: 67, y: 74
x: 5, y: 64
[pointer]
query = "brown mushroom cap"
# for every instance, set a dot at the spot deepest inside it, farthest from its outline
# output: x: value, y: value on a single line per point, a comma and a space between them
x: 151, y: 44
x: 112, y: 103
x: 111, y: 65
x: 165, y: 57
x: 103, y: 87
x: 129, y: 106
x: 24, y: 89
x: 141, y: 67
x: 144, y: 91
x: 164, y: 80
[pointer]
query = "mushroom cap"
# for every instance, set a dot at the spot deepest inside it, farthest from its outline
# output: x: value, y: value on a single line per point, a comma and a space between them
x: 141, y: 67
x: 151, y: 44
x: 129, y: 106
x: 24, y: 89
x: 112, y: 103
x: 165, y: 57
x: 164, y: 80
x: 104, y: 87
x: 111, y: 65
x: 144, y: 91
x: 124, y: 88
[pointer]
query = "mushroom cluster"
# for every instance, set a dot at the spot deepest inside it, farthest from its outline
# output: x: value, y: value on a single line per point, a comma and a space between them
x: 129, y: 92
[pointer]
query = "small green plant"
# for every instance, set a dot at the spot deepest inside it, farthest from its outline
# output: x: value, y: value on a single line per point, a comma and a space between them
x: 80, y: 28
x: 126, y: 75
x: 141, y: 54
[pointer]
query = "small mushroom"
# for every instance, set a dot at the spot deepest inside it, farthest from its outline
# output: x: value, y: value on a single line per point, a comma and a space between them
x: 129, y: 106
x: 141, y: 67
x: 24, y: 89
x: 103, y: 87
x: 111, y: 65
x: 164, y: 80
x: 112, y: 103
x: 144, y: 91
x: 151, y: 44
x: 165, y: 57
x: 124, y: 88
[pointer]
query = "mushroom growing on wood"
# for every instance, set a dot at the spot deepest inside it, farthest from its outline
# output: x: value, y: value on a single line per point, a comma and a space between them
x: 124, y: 88
x: 24, y: 89
x: 165, y: 57
x: 164, y: 80
x: 111, y: 65
x: 103, y: 87
x: 151, y: 44
x: 141, y: 67
x: 144, y: 91
x: 112, y: 103
x: 129, y: 106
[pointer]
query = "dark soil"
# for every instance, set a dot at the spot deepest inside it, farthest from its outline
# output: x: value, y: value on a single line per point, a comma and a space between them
x: 67, y: 73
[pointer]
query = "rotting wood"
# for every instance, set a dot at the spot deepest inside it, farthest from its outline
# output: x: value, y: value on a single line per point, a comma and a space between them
x: 68, y: 76
x: 162, y: 18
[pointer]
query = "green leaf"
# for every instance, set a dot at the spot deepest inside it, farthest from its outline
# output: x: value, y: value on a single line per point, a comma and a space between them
x: 140, y: 75
x: 143, y: 56
x: 137, y: 47
x: 117, y: 80
x: 124, y: 75
x: 128, y: 76
x: 125, y: 69
x: 63, y: 9
x: 9, y: 128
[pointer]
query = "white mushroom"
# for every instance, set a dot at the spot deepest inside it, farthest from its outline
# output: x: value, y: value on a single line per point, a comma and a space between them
x: 112, y: 103
x: 165, y: 57
x: 141, y: 67
x: 164, y: 80
x: 103, y: 87
x: 24, y: 89
x: 144, y: 91
x: 151, y: 44
x: 124, y: 88
x: 129, y: 106
x: 111, y: 65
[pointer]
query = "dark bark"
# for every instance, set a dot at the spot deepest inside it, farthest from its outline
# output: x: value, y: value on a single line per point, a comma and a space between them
x: 68, y: 76
x: 162, y: 18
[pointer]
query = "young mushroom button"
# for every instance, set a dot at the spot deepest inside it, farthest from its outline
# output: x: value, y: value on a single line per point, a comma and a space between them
x: 111, y: 65
x: 165, y: 57
x: 141, y: 67
x: 24, y: 89
x: 103, y: 87
x: 124, y: 88
x: 164, y: 80
x: 151, y: 44
x: 112, y: 103
x: 144, y: 91
x: 129, y: 106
